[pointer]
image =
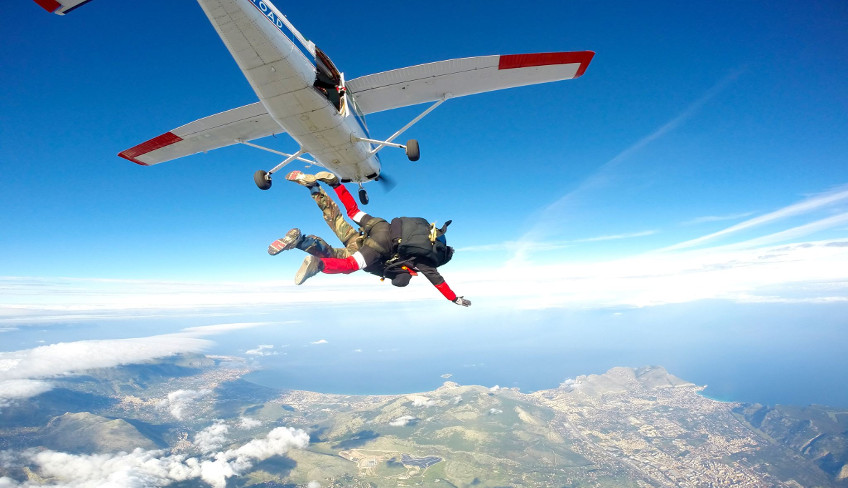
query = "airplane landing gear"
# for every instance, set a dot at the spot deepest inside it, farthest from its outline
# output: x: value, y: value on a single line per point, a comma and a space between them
x: 412, y: 150
x: 262, y: 179
x: 363, y: 195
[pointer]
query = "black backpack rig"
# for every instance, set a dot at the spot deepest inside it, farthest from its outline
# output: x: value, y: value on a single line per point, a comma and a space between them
x: 415, y: 239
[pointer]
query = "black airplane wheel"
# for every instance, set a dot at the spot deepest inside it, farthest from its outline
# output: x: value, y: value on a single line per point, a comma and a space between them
x: 363, y: 196
x: 412, y: 150
x: 262, y: 179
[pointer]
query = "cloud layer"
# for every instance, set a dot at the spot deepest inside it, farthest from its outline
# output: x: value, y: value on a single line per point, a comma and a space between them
x: 734, y: 263
x: 142, y: 468
x: 28, y: 372
x: 810, y: 272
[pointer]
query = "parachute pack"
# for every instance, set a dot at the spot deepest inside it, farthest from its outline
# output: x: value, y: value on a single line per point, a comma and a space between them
x: 417, y: 238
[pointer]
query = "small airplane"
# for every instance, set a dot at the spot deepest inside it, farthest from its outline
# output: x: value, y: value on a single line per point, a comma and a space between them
x: 303, y: 94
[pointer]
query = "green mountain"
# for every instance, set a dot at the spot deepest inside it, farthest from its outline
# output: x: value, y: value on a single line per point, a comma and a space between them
x: 624, y: 428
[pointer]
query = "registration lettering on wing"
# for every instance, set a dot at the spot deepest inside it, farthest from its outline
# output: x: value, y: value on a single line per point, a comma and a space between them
x: 269, y: 12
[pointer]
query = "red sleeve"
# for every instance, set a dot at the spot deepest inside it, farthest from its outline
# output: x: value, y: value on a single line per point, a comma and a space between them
x: 446, y: 291
x: 432, y: 274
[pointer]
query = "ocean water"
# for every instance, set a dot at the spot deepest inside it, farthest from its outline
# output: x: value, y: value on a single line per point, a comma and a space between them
x: 750, y: 353
x: 770, y: 354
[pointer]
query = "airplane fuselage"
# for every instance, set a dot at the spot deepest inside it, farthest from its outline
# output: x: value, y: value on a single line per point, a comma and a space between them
x: 284, y: 78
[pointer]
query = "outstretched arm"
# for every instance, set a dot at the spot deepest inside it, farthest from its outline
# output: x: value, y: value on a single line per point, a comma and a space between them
x: 436, y: 279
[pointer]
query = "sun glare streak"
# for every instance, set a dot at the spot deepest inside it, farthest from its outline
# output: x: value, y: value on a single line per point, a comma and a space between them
x: 833, y: 197
x: 606, y: 172
x: 790, y: 234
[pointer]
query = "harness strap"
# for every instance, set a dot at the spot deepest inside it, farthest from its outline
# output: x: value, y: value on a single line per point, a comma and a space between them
x: 366, y: 230
x: 395, y: 263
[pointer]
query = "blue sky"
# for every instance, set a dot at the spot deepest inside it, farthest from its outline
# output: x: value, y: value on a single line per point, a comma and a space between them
x: 701, y: 157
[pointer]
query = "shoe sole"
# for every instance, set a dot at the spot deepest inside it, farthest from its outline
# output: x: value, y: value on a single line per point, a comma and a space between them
x: 300, y: 178
x: 327, y: 177
x: 283, y: 244
x: 304, y: 272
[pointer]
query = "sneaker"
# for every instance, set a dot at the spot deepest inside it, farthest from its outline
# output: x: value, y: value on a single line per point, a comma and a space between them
x: 290, y: 241
x: 301, y: 178
x: 311, y: 266
x: 328, y: 178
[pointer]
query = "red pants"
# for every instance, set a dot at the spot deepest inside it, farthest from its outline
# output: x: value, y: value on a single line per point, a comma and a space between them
x: 339, y: 266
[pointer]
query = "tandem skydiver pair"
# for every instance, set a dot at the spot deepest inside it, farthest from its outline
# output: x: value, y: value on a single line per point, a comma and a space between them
x: 396, y: 250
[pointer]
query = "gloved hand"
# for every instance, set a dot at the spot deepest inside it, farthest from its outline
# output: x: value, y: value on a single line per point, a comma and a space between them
x: 462, y: 301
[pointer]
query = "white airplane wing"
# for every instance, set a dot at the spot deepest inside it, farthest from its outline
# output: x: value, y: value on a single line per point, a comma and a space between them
x: 465, y: 76
x: 60, y: 7
x: 374, y: 93
x: 223, y: 129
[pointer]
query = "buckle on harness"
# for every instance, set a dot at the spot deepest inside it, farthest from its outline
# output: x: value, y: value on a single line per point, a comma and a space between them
x: 410, y: 270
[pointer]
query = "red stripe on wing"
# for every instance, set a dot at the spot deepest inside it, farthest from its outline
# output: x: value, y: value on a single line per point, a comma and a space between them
x: 159, y: 142
x: 49, y: 5
x: 513, y: 61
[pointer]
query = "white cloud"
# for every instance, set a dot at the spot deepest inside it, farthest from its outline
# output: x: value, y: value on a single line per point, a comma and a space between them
x: 211, y: 438
x: 775, y: 267
x: 403, y: 421
x: 757, y: 269
x: 155, y: 468
x: 495, y: 411
x: 320, y: 341
x: 422, y: 401
x: 181, y: 403
x: 23, y: 373
x: 64, y: 357
x: 205, y: 330
x: 39, y: 300
x: 21, y: 388
x: 815, y: 271
x: 248, y: 423
x: 262, y: 350
x: 278, y: 441
x: 313, y: 484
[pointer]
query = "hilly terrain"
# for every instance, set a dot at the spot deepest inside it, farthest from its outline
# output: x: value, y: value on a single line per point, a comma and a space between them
x: 195, y: 418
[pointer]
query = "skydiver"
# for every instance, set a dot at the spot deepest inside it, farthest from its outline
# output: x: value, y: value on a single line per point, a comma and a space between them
x: 375, y: 249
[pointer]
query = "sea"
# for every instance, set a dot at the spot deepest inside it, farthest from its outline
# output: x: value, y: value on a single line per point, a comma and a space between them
x: 774, y: 353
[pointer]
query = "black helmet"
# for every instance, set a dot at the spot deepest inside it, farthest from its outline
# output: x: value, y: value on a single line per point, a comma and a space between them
x: 401, y: 279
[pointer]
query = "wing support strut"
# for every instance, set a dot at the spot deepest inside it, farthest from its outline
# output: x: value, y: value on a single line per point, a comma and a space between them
x: 287, y: 161
x: 257, y: 146
x: 388, y: 142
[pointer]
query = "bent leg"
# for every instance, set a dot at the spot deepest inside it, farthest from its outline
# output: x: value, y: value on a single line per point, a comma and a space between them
x: 349, y: 204
x: 332, y: 215
x: 339, y: 266
x: 318, y: 247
